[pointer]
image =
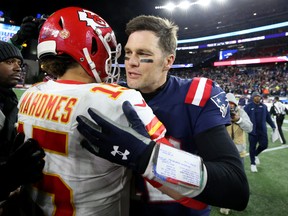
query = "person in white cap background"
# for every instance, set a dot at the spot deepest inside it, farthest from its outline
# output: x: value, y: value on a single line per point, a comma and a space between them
x: 240, y: 125
x: 259, y: 115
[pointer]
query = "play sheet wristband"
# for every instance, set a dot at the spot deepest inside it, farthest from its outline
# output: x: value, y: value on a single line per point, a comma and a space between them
x: 178, y: 167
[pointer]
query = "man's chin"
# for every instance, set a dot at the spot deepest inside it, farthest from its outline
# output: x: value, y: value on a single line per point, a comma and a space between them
x: 14, y: 84
x: 132, y: 84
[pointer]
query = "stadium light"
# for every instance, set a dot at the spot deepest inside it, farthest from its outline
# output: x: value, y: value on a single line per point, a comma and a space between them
x: 171, y: 6
x: 204, y: 3
x: 186, y: 4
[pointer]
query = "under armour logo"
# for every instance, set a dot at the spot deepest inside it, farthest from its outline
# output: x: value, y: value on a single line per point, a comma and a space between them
x: 120, y: 153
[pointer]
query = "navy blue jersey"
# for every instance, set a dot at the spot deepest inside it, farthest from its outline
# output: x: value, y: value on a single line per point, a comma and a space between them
x: 187, y: 107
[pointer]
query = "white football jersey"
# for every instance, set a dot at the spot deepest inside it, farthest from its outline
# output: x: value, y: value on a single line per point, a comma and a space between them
x: 75, y: 181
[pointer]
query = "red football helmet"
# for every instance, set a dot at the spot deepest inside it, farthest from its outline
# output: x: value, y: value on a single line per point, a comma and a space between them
x: 86, y: 37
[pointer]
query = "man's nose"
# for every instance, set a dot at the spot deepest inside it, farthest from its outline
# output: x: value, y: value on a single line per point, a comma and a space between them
x: 133, y: 60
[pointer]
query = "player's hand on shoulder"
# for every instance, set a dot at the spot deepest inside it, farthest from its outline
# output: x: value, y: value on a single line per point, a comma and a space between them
x: 129, y: 146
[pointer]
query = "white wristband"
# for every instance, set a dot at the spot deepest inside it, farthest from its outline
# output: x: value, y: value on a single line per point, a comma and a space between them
x: 177, y: 169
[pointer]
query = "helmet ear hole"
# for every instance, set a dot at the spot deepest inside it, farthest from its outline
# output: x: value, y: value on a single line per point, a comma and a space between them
x: 60, y: 22
x: 94, y: 47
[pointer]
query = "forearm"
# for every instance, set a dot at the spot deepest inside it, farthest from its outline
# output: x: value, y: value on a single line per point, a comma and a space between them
x: 245, y: 123
x: 183, y: 200
x: 223, y: 174
x: 227, y: 184
x: 182, y: 188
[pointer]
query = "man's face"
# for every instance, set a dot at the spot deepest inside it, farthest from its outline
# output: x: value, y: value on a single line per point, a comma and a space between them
x: 232, y: 105
x: 10, y: 72
x: 257, y: 99
x: 145, y: 63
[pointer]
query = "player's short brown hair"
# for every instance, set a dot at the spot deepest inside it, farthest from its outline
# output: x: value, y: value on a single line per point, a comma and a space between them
x: 163, y: 28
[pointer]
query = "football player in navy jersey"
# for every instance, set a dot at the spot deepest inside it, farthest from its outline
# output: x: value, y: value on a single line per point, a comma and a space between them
x: 195, y: 113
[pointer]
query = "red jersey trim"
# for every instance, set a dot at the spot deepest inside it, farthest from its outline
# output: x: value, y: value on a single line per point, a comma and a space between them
x: 199, y: 91
x: 70, y: 82
x: 155, y: 128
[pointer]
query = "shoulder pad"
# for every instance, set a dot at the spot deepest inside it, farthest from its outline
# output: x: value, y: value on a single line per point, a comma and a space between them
x: 199, y: 91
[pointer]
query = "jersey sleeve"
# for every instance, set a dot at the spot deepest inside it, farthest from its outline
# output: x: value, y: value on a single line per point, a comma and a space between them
x: 209, y: 102
x: 154, y: 126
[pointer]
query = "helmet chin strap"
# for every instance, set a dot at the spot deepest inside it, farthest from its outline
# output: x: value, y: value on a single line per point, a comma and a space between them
x: 91, y: 65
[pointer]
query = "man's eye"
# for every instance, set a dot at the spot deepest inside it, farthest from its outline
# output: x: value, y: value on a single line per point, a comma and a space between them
x: 144, y: 54
x: 10, y: 62
x: 127, y: 52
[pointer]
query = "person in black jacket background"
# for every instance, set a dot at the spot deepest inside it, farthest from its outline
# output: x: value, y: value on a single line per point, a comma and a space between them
x: 259, y: 115
x: 21, y: 161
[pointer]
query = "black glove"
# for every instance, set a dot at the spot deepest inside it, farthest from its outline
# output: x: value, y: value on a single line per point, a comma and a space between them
x: 24, y: 165
x: 29, y: 29
x: 129, y: 146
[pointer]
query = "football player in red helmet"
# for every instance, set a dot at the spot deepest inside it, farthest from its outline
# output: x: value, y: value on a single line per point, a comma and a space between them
x: 79, y: 48
x: 84, y: 36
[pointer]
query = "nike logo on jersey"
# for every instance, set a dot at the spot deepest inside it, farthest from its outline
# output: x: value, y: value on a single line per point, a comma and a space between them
x: 123, y: 154
x: 143, y: 104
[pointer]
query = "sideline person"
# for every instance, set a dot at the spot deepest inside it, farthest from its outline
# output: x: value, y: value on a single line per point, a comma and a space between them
x: 21, y: 161
x: 29, y: 30
x: 279, y: 110
x: 259, y: 116
x: 240, y: 125
x: 195, y: 113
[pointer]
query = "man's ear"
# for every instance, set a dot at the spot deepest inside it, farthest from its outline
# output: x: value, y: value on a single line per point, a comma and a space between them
x: 169, y: 60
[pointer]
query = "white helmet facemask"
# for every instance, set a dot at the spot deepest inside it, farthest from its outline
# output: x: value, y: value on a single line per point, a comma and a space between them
x: 112, y: 68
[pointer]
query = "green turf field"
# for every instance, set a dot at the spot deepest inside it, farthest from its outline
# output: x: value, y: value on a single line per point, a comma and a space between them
x: 19, y: 92
x: 268, y: 187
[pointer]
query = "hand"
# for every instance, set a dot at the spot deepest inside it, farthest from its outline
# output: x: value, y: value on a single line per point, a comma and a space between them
x: 129, y: 146
x: 24, y: 165
x: 29, y: 29
x: 235, y: 117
